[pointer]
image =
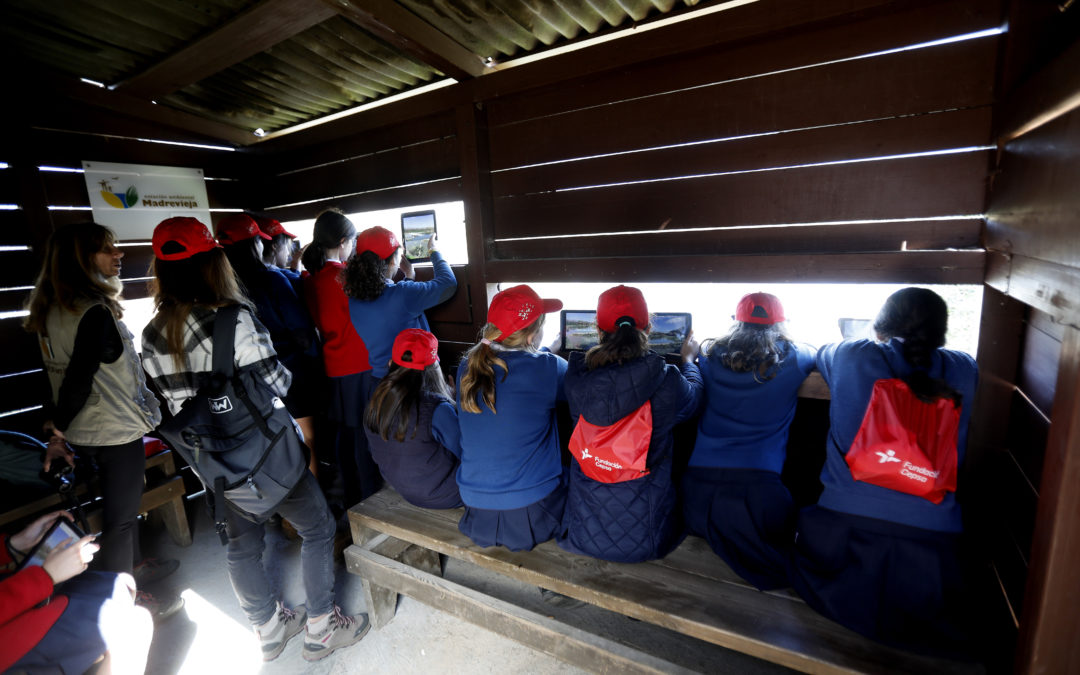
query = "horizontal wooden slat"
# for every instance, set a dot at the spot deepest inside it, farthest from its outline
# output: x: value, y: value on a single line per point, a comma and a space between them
x: 950, y: 76
x: 23, y: 391
x: 435, y: 192
x: 902, y: 25
x: 11, y: 301
x: 14, y: 229
x: 945, y: 185
x: 878, y: 236
x: 134, y: 290
x: 896, y: 136
x: 454, y: 332
x: 9, y: 186
x: 457, y: 309
x: 18, y: 268
x: 27, y: 423
x: 1035, y: 204
x: 20, y: 348
x: 925, y: 267
x: 427, y: 160
x: 1026, y: 439
x: 69, y: 189
x: 1046, y: 286
x: 136, y: 261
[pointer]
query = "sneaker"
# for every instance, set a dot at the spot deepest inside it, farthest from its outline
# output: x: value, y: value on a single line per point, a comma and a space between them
x: 342, y: 631
x: 151, y: 570
x: 289, y: 623
x: 160, y: 606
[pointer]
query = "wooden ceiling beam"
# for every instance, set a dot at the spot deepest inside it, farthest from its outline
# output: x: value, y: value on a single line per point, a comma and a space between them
x: 251, y: 32
x: 396, y: 25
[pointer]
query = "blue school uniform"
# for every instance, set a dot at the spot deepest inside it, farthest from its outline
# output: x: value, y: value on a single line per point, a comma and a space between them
x: 732, y: 492
x: 884, y: 563
x: 635, y: 520
x: 511, y: 475
x: 422, y: 467
x: 400, y: 306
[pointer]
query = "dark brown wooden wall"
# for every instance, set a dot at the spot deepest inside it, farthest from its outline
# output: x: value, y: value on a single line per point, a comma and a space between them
x: 22, y: 385
x: 1034, y: 272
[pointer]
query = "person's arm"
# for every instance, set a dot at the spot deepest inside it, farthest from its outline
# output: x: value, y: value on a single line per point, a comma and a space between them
x: 96, y: 341
x: 425, y: 294
x: 806, y: 358
x: 824, y: 360
x: 560, y: 378
x: 291, y: 311
x: 445, y: 429
x: 254, y: 348
x: 690, y: 387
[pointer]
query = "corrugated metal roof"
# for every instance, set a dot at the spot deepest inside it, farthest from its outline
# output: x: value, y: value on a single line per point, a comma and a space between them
x: 366, y: 52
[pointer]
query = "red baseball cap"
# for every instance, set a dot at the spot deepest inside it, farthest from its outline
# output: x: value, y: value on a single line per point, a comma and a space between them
x: 422, y: 347
x: 763, y: 308
x: 272, y: 228
x: 379, y: 240
x: 237, y: 227
x: 517, y: 307
x: 183, y: 237
x: 618, y: 303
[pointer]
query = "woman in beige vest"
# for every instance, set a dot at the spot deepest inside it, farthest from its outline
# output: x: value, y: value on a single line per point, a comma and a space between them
x: 100, y: 406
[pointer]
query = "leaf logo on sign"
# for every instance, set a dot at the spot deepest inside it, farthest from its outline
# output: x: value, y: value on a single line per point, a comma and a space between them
x: 119, y: 200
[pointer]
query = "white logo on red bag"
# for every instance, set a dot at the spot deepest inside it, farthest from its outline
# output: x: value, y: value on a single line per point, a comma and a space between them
x: 919, y: 473
x: 585, y: 454
x: 887, y: 456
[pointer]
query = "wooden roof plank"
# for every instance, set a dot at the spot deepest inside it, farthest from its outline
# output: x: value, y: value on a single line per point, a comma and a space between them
x: 252, y: 32
x: 411, y: 34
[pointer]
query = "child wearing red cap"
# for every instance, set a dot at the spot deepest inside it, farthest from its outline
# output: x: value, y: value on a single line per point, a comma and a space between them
x: 345, y: 356
x: 511, y: 476
x: 192, y: 280
x: 412, y: 424
x: 732, y: 494
x: 281, y: 312
x: 637, y: 519
x: 381, y: 308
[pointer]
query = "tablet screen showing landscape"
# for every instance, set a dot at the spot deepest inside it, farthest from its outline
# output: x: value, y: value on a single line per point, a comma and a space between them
x: 669, y: 330
x: 416, y: 230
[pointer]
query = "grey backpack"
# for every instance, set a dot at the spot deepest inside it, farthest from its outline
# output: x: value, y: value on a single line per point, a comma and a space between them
x: 237, y: 435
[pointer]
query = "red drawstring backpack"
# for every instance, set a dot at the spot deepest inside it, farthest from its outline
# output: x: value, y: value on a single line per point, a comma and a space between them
x: 615, y: 453
x: 905, y: 444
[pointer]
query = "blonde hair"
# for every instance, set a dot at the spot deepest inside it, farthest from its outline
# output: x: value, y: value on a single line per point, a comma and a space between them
x: 481, y: 359
x: 69, y: 276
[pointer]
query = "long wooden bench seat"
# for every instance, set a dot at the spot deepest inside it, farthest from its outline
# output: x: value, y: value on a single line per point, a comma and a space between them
x: 395, y: 550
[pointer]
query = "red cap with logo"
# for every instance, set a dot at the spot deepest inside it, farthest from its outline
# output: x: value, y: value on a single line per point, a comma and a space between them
x: 180, y: 238
x: 421, y: 347
x: 272, y: 228
x: 379, y: 240
x: 762, y: 308
x: 620, y: 305
x: 517, y: 307
x: 237, y: 227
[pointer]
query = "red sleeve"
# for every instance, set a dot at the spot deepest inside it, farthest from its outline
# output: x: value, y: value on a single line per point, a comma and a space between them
x: 22, y: 590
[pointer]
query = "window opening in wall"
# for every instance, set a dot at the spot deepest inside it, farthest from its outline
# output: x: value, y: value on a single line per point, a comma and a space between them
x: 814, y: 311
x: 449, y: 216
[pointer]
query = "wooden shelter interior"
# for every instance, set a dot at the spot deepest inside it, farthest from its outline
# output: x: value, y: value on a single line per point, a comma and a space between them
x: 914, y: 141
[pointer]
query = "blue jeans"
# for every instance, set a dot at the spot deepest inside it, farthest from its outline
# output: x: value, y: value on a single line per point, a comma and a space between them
x: 306, y: 509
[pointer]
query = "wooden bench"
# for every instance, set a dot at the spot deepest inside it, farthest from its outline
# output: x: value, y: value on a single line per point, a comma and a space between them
x: 396, y: 549
x: 164, y: 495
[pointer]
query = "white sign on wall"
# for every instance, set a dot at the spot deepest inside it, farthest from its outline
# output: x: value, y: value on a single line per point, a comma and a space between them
x: 131, y: 199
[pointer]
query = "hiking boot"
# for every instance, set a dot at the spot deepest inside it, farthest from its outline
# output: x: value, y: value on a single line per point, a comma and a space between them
x: 288, y: 623
x: 160, y: 606
x: 151, y: 570
x: 341, y: 631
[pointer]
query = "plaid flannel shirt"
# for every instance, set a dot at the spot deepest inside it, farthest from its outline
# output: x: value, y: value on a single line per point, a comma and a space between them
x: 252, y: 349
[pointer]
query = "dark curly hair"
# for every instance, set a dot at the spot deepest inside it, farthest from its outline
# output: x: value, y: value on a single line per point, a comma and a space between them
x: 364, y: 277
x: 921, y: 317
x: 750, y: 348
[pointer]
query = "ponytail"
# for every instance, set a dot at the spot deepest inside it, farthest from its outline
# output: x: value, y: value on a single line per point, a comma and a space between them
x: 330, y: 228
x: 625, y: 344
x: 481, y: 359
x: 919, y: 316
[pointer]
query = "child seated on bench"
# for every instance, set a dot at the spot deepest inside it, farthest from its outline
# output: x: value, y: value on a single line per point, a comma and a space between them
x: 732, y: 494
x: 511, y: 476
x: 632, y: 516
x: 412, y: 424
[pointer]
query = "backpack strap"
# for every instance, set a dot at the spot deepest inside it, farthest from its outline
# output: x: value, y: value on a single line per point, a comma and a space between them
x: 224, y: 339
